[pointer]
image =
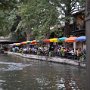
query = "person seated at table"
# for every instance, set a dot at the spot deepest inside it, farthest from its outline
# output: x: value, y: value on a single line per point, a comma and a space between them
x: 78, y: 53
x: 71, y: 52
x: 62, y: 52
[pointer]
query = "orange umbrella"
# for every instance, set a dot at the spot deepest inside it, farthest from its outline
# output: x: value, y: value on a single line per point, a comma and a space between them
x: 71, y: 39
x: 46, y: 40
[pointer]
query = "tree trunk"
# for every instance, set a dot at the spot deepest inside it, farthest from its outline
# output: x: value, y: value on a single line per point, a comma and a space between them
x: 17, y: 20
x: 67, y: 29
x: 28, y: 35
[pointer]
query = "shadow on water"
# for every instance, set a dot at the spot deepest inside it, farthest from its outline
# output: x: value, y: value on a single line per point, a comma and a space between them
x: 18, y: 73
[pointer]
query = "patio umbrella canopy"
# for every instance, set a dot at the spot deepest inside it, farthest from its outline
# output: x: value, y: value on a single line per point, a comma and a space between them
x: 46, y: 40
x: 71, y: 39
x: 23, y: 43
x: 81, y: 38
x: 34, y: 42
x: 28, y: 42
x: 54, y: 40
x: 17, y: 44
x: 62, y: 38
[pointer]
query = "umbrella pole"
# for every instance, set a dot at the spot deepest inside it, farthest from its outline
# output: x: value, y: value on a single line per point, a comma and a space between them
x: 82, y: 45
x: 74, y: 46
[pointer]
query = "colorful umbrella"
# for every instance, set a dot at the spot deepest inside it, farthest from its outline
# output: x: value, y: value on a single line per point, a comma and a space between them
x: 62, y: 38
x: 34, y: 42
x: 39, y: 41
x: 17, y: 44
x: 46, y: 41
x: 54, y: 40
x: 81, y: 38
x: 71, y: 39
x: 28, y: 42
x: 23, y: 43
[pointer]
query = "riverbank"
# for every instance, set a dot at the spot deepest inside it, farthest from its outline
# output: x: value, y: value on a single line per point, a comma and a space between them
x: 50, y: 59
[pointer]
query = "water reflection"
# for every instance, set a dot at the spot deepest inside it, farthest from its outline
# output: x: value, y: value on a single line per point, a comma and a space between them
x: 24, y: 74
x: 9, y: 66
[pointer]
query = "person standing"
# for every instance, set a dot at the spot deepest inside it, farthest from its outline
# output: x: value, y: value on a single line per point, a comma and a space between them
x: 78, y: 53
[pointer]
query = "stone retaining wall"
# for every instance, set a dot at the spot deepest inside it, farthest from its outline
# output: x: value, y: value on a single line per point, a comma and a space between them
x: 50, y: 59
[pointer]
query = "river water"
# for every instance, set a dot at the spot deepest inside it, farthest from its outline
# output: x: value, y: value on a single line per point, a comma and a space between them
x: 18, y: 73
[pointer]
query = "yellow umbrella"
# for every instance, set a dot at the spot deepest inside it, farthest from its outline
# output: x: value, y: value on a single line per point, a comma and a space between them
x: 54, y: 40
x: 28, y: 42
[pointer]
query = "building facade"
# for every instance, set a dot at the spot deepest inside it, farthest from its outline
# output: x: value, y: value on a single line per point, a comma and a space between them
x: 78, y: 26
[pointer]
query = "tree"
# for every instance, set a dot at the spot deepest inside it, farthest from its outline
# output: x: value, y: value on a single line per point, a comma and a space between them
x: 8, y: 4
x: 5, y: 23
x: 8, y: 16
x: 37, y: 17
x: 66, y: 9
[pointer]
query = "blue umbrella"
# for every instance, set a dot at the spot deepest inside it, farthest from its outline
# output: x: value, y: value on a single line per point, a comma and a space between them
x: 81, y: 38
x: 62, y: 38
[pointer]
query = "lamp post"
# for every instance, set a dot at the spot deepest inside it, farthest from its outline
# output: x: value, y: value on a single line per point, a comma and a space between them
x: 88, y: 43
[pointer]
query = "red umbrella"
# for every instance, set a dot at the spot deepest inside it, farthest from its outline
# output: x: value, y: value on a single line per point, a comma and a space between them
x: 34, y: 42
x: 46, y: 40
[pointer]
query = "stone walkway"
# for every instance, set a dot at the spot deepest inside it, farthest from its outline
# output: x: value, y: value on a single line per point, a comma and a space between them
x: 50, y: 59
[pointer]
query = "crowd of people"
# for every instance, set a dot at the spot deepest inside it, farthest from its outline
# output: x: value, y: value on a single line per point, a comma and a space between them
x: 52, y: 50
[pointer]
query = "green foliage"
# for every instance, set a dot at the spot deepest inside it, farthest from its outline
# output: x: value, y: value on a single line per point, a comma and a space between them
x: 8, y: 4
x: 8, y: 11
x: 66, y: 8
x: 37, y: 16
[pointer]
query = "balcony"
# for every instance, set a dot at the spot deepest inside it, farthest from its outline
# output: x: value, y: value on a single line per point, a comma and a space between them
x: 78, y: 32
